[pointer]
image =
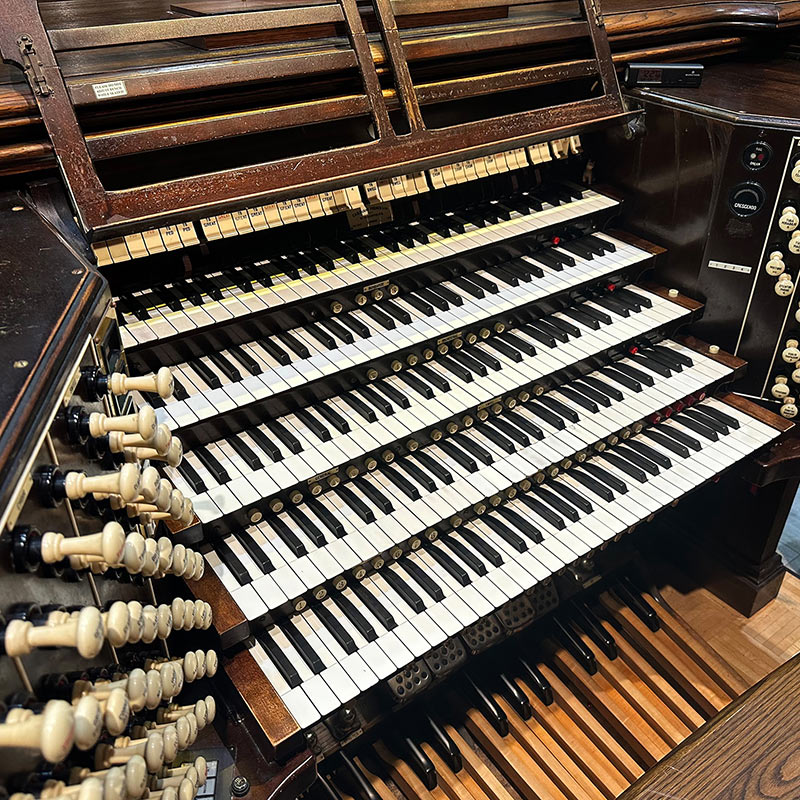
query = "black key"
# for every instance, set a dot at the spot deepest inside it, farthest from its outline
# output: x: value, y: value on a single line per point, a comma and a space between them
x: 503, y: 347
x: 416, y: 384
x: 434, y: 467
x: 402, y: 588
x: 211, y: 464
x: 698, y: 415
x: 296, y: 346
x: 245, y: 359
x: 421, y: 305
x: 470, y: 288
x: 396, y: 396
x: 404, y: 485
x: 483, y: 283
x: 512, y: 432
x: 579, y: 651
x: 668, y: 352
x: 261, y: 559
x: 636, y: 374
x: 595, y: 396
x: 597, y: 314
x: 543, y: 510
x: 206, y: 373
x: 565, y: 259
x: 603, y: 387
x: 625, y: 466
x: 379, y: 317
x: 444, y: 745
x: 286, y: 437
x: 613, y: 305
x: 433, y: 299
x: 505, y: 533
x: 539, y: 335
x: 456, y: 369
x: 428, y: 584
x: 470, y: 445
x: 536, y: 681
x: 524, y: 424
x: 669, y: 444
x: 503, y: 275
x: 632, y: 597
x: 606, y: 477
x: 591, y: 625
x: 470, y: 363
x: 516, y: 342
x: 379, y: 611
x: 304, y: 523
x: 306, y: 651
x: 358, y: 620
x: 419, y: 233
x: 387, y: 240
x: 339, y: 331
x: 244, y: 452
x: 579, y: 399
x: 417, y: 474
x: 637, y: 459
x: 452, y: 567
x: 189, y: 474
x: 313, y: 424
x: 324, y: 338
x: 579, y: 249
x: 264, y: 442
x: 557, y: 407
x: 548, y: 416
x: 547, y: 259
x: 682, y: 437
x: 559, y: 335
x: 361, y: 509
x: 570, y: 494
x: 361, y: 245
x: 359, y: 406
x: 334, y: 525
x: 374, y: 494
x: 481, y: 546
x: 230, y: 560
x: 224, y: 366
x: 720, y: 416
x: 333, y: 417
x: 375, y: 400
x: 400, y: 314
x: 523, y: 270
x: 653, y: 364
x: 648, y: 452
x: 355, y: 325
x: 566, y: 327
x: 465, y: 554
x: 287, y: 536
x: 459, y: 456
x: 622, y: 380
x: 698, y: 427
x: 600, y: 489
x: 521, y: 524
x: 432, y: 377
x: 497, y: 438
x: 179, y: 392
x: 281, y: 356
x: 328, y: 619
x: 579, y: 316
x: 603, y: 244
x: 487, y: 359
x: 278, y: 658
x: 665, y: 361
x: 448, y: 295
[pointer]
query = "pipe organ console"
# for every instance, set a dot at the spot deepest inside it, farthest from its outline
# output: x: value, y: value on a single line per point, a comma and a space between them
x: 373, y: 372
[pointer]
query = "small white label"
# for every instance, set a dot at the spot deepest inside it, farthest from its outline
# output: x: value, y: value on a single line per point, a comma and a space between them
x: 102, y: 91
x: 730, y: 267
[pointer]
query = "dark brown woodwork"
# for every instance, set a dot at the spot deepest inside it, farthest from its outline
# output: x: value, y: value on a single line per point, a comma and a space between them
x: 738, y: 365
x: 282, y: 736
x: 228, y: 618
x: 748, y: 751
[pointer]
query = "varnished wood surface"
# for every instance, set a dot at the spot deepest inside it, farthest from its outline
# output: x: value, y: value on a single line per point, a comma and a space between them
x: 756, y: 645
x: 760, y: 413
x: 228, y: 616
x: 750, y: 752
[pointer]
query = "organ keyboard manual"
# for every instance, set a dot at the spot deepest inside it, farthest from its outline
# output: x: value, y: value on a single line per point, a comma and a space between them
x: 392, y: 408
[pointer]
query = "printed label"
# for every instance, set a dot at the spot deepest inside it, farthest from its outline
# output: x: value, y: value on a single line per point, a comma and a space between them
x: 730, y: 267
x: 103, y: 91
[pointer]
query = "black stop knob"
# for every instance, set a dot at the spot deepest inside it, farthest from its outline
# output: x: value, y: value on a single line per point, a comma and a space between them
x: 746, y: 199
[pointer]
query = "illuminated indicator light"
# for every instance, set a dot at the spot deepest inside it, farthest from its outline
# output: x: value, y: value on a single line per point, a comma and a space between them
x: 612, y: 287
x: 667, y: 412
x: 556, y: 240
x: 633, y: 349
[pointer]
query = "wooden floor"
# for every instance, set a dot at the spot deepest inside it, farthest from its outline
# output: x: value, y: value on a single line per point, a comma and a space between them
x: 756, y: 646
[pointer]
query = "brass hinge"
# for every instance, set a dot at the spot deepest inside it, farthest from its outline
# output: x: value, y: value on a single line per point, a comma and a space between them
x: 596, y: 13
x: 33, y: 66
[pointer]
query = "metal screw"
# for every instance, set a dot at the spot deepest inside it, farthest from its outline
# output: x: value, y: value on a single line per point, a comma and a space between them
x: 240, y: 786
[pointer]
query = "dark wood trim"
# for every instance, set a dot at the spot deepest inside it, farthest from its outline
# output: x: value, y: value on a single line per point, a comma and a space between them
x: 736, y: 364
x: 758, y: 412
x: 680, y: 300
x: 228, y: 618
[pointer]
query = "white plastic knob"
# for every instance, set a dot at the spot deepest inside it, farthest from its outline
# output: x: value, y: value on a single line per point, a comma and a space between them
x: 785, y: 286
x: 51, y: 732
x: 151, y: 748
x: 117, y: 623
x: 775, y: 267
x: 109, y: 545
x: 779, y: 391
x: 794, y: 243
x: 788, y: 220
x: 161, y: 383
x: 165, y: 554
x: 88, y: 722
x: 84, y: 632
x: 142, y: 422
x: 149, y: 484
x: 159, y: 441
x: 124, y: 483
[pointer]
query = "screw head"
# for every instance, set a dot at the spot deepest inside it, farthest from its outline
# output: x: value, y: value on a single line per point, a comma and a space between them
x: 240, y: 786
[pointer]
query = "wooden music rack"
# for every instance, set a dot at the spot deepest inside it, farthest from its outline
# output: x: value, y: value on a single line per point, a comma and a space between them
x: 401, y: 140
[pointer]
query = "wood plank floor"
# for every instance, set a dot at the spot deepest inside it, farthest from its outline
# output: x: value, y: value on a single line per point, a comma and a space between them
x: 757, y: 645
